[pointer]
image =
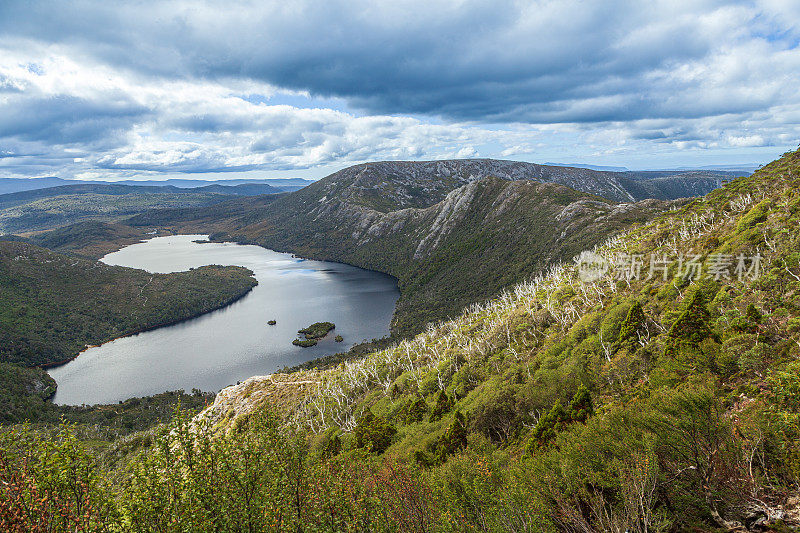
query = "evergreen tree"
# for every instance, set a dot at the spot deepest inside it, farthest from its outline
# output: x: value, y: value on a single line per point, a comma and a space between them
x: 581, y: 407
x: 454, y: 439
x: 548, y: 425
x: 414, y: 411
x: 631, y: 326
x: 693, y: 324
x: 374, y: 433
x: 443, y: 405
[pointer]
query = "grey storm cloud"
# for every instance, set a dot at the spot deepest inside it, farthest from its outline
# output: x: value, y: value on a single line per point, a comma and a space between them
x: 67, y: 119
x: 479, y: 61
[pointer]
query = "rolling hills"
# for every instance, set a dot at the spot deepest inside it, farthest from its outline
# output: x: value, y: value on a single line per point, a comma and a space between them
x: 12, y: 185
x: 47, y: 208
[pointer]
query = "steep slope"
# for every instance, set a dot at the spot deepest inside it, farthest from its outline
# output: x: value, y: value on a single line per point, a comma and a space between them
x: 481, y: 237
x: 52, y: 306
x: 578, y: 401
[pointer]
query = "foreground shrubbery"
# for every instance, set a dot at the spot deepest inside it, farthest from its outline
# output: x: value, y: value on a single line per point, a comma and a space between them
x: 672, y: 459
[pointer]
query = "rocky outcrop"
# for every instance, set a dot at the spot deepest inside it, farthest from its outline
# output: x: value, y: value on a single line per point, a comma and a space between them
x: 278, y: 393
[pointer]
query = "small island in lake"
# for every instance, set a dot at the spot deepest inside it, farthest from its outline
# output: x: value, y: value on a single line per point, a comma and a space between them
x: 313, y: 332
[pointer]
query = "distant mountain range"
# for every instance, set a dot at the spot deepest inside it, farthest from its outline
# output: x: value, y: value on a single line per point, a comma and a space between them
x: 745, y: 169
x: 9, y: 185
x: 51, y: 207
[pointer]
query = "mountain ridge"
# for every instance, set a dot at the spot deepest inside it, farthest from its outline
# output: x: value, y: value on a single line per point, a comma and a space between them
x: 422, y: 223
x: 10, y: 185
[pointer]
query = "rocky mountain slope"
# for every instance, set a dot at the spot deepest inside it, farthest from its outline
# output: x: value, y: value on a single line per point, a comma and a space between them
x: 476, y: 239
x: 639, y: 399
x: 391, y: 185
x: 453, y: 232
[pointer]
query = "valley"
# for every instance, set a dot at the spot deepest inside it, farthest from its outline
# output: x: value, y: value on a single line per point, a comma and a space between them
x: 399, y: 267
x: 233, y: 343
x: 451, y: 232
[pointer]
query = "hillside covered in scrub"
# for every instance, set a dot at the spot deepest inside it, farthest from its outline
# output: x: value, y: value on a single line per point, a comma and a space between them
x: 651, y: 385
x: 52, y: 207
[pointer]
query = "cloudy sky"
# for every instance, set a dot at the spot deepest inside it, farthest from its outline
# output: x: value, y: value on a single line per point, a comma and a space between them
x: 151, y: 90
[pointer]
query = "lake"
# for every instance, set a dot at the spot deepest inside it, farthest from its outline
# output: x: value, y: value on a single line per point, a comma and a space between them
x: 230, y: 344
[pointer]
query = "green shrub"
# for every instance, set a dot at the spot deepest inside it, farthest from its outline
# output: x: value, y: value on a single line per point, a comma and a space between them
x: 333, y: 444
x: 499, y: 415
x: 454, y: 438
x: 756, y: 215
x: 754, y: 359
x: 443, y: 404
x: 753, y: 313
x: 374, y: 433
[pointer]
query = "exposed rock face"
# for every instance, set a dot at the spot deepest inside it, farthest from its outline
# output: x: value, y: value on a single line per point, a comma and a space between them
x: 452, y: 232
x: 392, y: 185
x: 278, y: 393
x: 479, y: 237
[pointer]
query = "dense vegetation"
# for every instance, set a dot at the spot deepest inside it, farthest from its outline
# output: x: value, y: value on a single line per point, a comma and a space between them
x: 53, y: 306
x: 313, y: 333
x: 317, y: 330
x: 91, y: 239
x: 25, y: 396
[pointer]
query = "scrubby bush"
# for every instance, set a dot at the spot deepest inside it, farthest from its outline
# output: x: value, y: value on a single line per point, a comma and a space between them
x: 443, y: 404
x: 373, y: 433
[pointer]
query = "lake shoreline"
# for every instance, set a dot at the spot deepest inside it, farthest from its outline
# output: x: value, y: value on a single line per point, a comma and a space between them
x: 215, y: 349
x: 226, y: 303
